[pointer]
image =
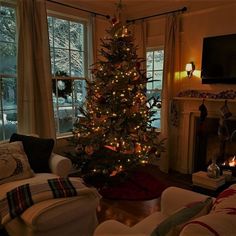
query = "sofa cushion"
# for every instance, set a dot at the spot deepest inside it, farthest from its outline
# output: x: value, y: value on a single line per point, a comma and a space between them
x: 14, y: 164
x: 212, y: 224
x: 173, y: 224
x: 225, y: 201
x: 38, y: 151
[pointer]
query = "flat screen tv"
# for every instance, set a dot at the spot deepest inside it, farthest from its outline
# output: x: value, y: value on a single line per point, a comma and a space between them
x: 219, y: 59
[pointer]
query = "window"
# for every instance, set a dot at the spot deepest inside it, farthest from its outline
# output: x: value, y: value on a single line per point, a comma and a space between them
x: 8, y: 48
x: 69, y: 69
x: 154, y: 64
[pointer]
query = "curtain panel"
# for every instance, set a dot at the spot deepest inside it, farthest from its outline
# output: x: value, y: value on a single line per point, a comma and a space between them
x: 171, y: 64
x: 34, y: 85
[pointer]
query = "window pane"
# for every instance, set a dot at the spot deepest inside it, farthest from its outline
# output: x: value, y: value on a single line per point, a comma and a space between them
x: 80, y: 92
x: 149, y: 60
x: 157, y: 83
x: 9, y: 93
x: 77, y: 36
x: 158, y: 60
x: 65, y: 119
x: 61, y: 33
x: 62, y: 91
x: 8, y: 25
x: 61, y: 61
x: 7, y: 58
x: 77, y: 64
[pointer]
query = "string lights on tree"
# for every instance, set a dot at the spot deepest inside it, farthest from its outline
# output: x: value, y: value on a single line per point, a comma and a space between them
x: 117, y: 113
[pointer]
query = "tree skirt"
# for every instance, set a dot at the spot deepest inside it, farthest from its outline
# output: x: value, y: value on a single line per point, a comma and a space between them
x: 137, y: 185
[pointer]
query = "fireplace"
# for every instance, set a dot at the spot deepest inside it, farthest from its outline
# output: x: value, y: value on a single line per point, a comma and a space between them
x: 194, y: 145
x: 208, y: 144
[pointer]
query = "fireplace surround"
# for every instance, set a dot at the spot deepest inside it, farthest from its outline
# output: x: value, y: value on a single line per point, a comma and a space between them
x: 195, y: 145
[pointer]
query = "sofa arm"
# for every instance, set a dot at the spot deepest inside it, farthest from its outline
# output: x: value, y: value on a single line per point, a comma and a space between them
x: 60, y: 165
x: 174, y: 198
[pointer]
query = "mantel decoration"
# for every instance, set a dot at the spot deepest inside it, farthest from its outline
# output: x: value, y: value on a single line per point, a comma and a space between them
x: 117, y: 114
x: 228, y: 94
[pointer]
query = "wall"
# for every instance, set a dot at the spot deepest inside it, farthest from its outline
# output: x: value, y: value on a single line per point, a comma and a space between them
x: 194, y: 26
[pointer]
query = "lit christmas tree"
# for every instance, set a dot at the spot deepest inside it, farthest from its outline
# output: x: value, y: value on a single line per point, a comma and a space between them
x: 117, y: 113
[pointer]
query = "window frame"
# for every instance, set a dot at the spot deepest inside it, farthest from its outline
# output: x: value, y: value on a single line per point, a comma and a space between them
x: 74, y: 106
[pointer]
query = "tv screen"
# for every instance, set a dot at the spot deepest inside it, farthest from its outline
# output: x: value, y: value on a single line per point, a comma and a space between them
x: 219, y: 59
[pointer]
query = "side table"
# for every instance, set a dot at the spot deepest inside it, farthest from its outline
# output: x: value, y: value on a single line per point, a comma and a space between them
x: 206, y: 185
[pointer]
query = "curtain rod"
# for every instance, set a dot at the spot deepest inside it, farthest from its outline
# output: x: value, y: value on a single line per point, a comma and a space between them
x: 66, y: 5
x: 159, y: 14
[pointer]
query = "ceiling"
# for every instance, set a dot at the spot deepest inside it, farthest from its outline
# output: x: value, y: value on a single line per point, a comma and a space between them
x: 140, y: 8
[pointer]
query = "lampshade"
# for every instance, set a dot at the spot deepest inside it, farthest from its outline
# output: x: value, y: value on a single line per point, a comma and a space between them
x: 189, y: 67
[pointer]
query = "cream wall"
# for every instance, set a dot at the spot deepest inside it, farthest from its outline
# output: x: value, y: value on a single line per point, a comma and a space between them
x: 194, y: 26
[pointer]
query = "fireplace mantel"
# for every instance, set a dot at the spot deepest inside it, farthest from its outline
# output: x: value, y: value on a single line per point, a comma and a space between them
x: 188, y: 111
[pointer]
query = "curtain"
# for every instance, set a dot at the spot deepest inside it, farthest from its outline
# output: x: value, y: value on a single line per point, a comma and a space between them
x: 140, y: 38
x: 171, y: 64
x: 34, y: 88
x: 92, y: 41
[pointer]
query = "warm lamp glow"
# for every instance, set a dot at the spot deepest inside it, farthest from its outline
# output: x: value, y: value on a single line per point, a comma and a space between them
x: 190, y: 67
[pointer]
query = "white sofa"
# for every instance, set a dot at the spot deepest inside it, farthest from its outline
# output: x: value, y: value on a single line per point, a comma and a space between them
x: 62, y: 216
x: 219, y: 218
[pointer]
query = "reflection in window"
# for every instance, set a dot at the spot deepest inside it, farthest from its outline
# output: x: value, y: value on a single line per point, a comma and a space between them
x: 154, y: 68
x: 67, y: 49
x: 8, y: 104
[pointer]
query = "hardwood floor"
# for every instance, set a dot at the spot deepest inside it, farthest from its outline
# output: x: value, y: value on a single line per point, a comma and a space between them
x: 127, y: 212
x: 131, y: 212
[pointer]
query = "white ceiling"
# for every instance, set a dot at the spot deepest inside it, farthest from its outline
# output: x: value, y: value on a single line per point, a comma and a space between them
x: 141, y: 8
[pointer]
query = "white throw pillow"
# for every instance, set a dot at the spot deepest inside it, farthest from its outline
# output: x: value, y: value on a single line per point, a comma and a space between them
x: 14, y: 163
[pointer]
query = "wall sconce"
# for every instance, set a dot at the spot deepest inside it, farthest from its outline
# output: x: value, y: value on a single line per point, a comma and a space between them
x: 190, y: 67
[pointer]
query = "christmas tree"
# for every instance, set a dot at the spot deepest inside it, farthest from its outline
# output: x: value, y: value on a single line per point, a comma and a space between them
x: 117, y: 113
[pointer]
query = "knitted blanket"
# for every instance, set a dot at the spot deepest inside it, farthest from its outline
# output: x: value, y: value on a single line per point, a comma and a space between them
x: 17, y: 200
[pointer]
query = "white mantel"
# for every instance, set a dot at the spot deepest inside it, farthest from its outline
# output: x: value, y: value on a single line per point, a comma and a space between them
x: 183, y: 141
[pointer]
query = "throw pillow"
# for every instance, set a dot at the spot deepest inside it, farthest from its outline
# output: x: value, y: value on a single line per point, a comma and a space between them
x: 14, y: 164
x: 215, y: 224
x: 174, y: 223
x: 225, y: 201
x: 38, y: 151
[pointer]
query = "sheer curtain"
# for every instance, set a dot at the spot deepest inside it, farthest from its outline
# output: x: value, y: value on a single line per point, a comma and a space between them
x: 171, y: 64
x: 35, y: 107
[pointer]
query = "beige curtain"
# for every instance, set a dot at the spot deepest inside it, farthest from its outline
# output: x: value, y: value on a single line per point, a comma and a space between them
x: 171, y: 64
x: 139, y: 30
x: 35, y: 108
x: 92, y: 54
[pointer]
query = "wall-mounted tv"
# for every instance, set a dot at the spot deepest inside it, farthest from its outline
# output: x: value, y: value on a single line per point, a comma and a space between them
x: 219, y: 59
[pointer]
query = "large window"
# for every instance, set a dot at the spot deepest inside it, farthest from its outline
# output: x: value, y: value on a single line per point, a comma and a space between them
x: 154, y: 64
x: 69, y: 69
x: 8, y: 105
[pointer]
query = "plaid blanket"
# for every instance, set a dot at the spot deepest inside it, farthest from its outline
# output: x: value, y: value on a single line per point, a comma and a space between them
x: 22, y: 197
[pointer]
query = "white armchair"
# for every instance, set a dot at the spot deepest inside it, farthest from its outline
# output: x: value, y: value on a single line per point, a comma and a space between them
x: 71, y: 216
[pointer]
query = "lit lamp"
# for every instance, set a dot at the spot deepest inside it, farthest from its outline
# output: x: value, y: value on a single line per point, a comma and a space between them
x: 190, y: 67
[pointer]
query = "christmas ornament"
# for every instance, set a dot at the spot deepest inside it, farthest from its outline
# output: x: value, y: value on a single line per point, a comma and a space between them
x: 89, y: 150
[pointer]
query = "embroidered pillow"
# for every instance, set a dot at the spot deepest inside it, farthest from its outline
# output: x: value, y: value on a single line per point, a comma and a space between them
x: 38, y: 151
x: 14, y: 164
x: 174, y: 223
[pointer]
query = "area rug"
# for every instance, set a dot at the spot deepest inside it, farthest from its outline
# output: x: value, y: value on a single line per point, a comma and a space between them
x: 136, y: 185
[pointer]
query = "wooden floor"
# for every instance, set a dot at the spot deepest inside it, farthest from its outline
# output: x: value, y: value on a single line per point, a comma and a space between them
x: 131, y: 212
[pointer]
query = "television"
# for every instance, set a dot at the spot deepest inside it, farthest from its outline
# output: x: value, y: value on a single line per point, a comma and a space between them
x: 219, y: 59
